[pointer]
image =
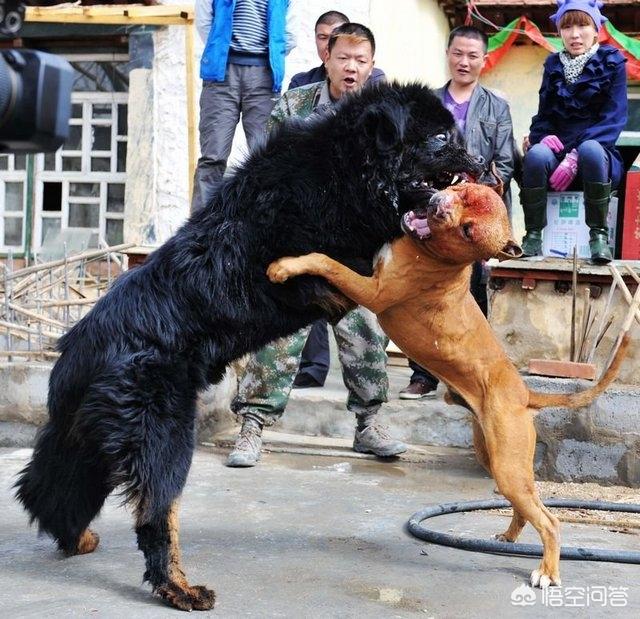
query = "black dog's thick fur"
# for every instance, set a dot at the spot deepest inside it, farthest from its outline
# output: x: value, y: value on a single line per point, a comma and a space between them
x: 122, y: 394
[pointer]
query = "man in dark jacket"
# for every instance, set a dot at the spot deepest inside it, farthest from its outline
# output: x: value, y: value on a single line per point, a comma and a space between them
x: 484, y: 120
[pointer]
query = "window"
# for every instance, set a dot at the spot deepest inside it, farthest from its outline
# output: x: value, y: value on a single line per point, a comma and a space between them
x: 82, y: 184
x: 13, y: 202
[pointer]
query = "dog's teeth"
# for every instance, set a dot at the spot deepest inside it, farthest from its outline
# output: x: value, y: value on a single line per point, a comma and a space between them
x: 455, y: 179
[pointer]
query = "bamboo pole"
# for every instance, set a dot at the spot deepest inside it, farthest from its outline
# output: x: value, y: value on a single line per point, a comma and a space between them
x: 10, y: 327
x: 36, y: 316
x: 601, y: 327
x: 574, y: 288
x: 30, y: 353
x: 586, y: 316
x: 623, y: 288
x: 95, y: 253
x: 626, y: 325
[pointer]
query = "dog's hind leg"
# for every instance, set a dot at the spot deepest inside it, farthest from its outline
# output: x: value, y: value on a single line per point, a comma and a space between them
x: 482, y: 455
x: 510, y: 438
x: 158, y: 540
x: 157, y: 473
x: 63, y: 488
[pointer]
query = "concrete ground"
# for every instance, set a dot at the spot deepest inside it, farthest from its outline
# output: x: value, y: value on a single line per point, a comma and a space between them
x: 310, y: 536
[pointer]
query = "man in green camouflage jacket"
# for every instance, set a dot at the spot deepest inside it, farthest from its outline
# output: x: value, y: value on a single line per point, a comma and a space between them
x: 265, y: 386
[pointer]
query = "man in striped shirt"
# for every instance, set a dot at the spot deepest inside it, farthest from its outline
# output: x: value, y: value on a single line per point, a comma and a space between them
x: 242, y: 69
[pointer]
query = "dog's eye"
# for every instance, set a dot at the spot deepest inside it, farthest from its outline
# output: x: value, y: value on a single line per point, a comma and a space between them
x: 467, y: 231
x: 442, y: 137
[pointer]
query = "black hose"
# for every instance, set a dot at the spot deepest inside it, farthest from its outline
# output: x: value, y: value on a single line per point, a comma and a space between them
x: 510, y: 548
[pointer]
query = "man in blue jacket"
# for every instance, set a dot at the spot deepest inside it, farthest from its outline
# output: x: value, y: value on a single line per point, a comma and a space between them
x: 242, y: 69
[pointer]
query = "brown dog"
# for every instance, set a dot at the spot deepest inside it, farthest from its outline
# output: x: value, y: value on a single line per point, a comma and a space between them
x: 420, y: 292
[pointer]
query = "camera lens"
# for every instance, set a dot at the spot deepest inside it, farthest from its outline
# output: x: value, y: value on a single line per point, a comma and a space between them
x: 9, y: 88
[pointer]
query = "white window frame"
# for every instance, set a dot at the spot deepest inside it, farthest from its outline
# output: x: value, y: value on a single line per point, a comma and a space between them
x: 11, y: 175
x: 85, y: 174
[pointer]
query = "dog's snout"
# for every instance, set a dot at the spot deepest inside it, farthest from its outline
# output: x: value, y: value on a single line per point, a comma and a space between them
x: 440, y: 206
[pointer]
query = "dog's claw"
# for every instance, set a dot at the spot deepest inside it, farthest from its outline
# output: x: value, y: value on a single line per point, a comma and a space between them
x: 541, y: 580
x: 186, y: 597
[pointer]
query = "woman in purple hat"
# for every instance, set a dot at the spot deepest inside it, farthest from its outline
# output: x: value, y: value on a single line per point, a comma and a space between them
x: 581, y: 113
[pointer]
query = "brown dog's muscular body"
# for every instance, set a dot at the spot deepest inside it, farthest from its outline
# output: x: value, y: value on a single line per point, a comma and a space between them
x: 420, y: 293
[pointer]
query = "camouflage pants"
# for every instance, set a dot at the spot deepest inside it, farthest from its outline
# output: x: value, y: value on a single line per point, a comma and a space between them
x: 266, y: 384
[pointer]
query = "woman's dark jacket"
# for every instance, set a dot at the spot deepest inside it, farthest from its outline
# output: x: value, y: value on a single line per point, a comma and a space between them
x: 593, y: 108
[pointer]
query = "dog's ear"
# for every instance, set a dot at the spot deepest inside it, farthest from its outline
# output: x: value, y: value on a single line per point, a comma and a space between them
x: 509, y: 251
x: 385, y: 124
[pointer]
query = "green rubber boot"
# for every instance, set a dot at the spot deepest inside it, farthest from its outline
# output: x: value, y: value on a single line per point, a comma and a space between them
x: 596, y: 208
x: 534, y: 205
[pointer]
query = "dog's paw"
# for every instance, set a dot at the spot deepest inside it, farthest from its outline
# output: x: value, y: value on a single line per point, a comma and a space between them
x: 277, y: 272
x: 502, y: 537
x: 542, y: 580
x: 88, y: 542
x: 184, y: 597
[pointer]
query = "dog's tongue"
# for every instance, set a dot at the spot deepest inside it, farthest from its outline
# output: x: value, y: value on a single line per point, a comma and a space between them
x: 417, y: 224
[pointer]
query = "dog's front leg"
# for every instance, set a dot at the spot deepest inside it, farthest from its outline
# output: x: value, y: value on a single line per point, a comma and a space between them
x: 158, y: 540
x: 363, y: 290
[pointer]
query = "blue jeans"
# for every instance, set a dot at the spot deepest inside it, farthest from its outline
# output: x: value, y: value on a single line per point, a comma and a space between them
x: 540, y: 162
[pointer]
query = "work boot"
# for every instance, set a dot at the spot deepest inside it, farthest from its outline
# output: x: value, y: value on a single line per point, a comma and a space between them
x: 596, y: 208
x: 246, y: 451
x: 534, y: 205
x: 374, y: 439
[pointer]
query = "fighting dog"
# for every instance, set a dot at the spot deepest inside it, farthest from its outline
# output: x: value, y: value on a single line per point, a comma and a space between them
x: 420, y: 293
x: 122, y: 394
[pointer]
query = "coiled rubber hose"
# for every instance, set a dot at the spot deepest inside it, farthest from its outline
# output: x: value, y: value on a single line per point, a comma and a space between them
x: 510, y: 548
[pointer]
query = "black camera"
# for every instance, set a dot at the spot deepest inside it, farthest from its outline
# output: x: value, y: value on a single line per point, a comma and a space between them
x: 35, y: 93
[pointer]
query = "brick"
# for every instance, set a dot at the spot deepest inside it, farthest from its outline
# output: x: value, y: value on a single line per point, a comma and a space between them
x: 563, y: 369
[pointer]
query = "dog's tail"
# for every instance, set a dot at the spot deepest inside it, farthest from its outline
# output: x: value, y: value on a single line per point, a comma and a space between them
x: 60, y: 487
x: 582, y: 398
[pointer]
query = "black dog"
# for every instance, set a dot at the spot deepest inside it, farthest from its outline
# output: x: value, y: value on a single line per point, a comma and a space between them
x: 122, y: 394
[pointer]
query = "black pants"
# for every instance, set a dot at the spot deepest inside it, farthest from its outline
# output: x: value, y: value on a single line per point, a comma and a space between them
x: 314, y: 364
x: 478, y: 289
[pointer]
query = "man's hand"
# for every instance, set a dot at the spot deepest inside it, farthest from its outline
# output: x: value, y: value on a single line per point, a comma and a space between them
x: 564, y: 174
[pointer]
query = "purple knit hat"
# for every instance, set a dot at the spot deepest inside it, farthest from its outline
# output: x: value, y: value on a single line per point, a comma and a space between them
x: 590, y: 7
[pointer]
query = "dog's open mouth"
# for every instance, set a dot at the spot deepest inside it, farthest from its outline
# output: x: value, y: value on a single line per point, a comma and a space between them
x: 444, y: 179
x: 447, y: 179
x: 414, y: 223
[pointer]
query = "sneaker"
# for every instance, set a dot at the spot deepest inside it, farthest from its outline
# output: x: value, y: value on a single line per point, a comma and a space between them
x: 417, y: 390
x: 246, y: 451
x: 375, y: 439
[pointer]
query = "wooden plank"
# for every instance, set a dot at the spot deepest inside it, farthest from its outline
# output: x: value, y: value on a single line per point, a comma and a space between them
x: 562, y: 369
x: 160, y: 15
